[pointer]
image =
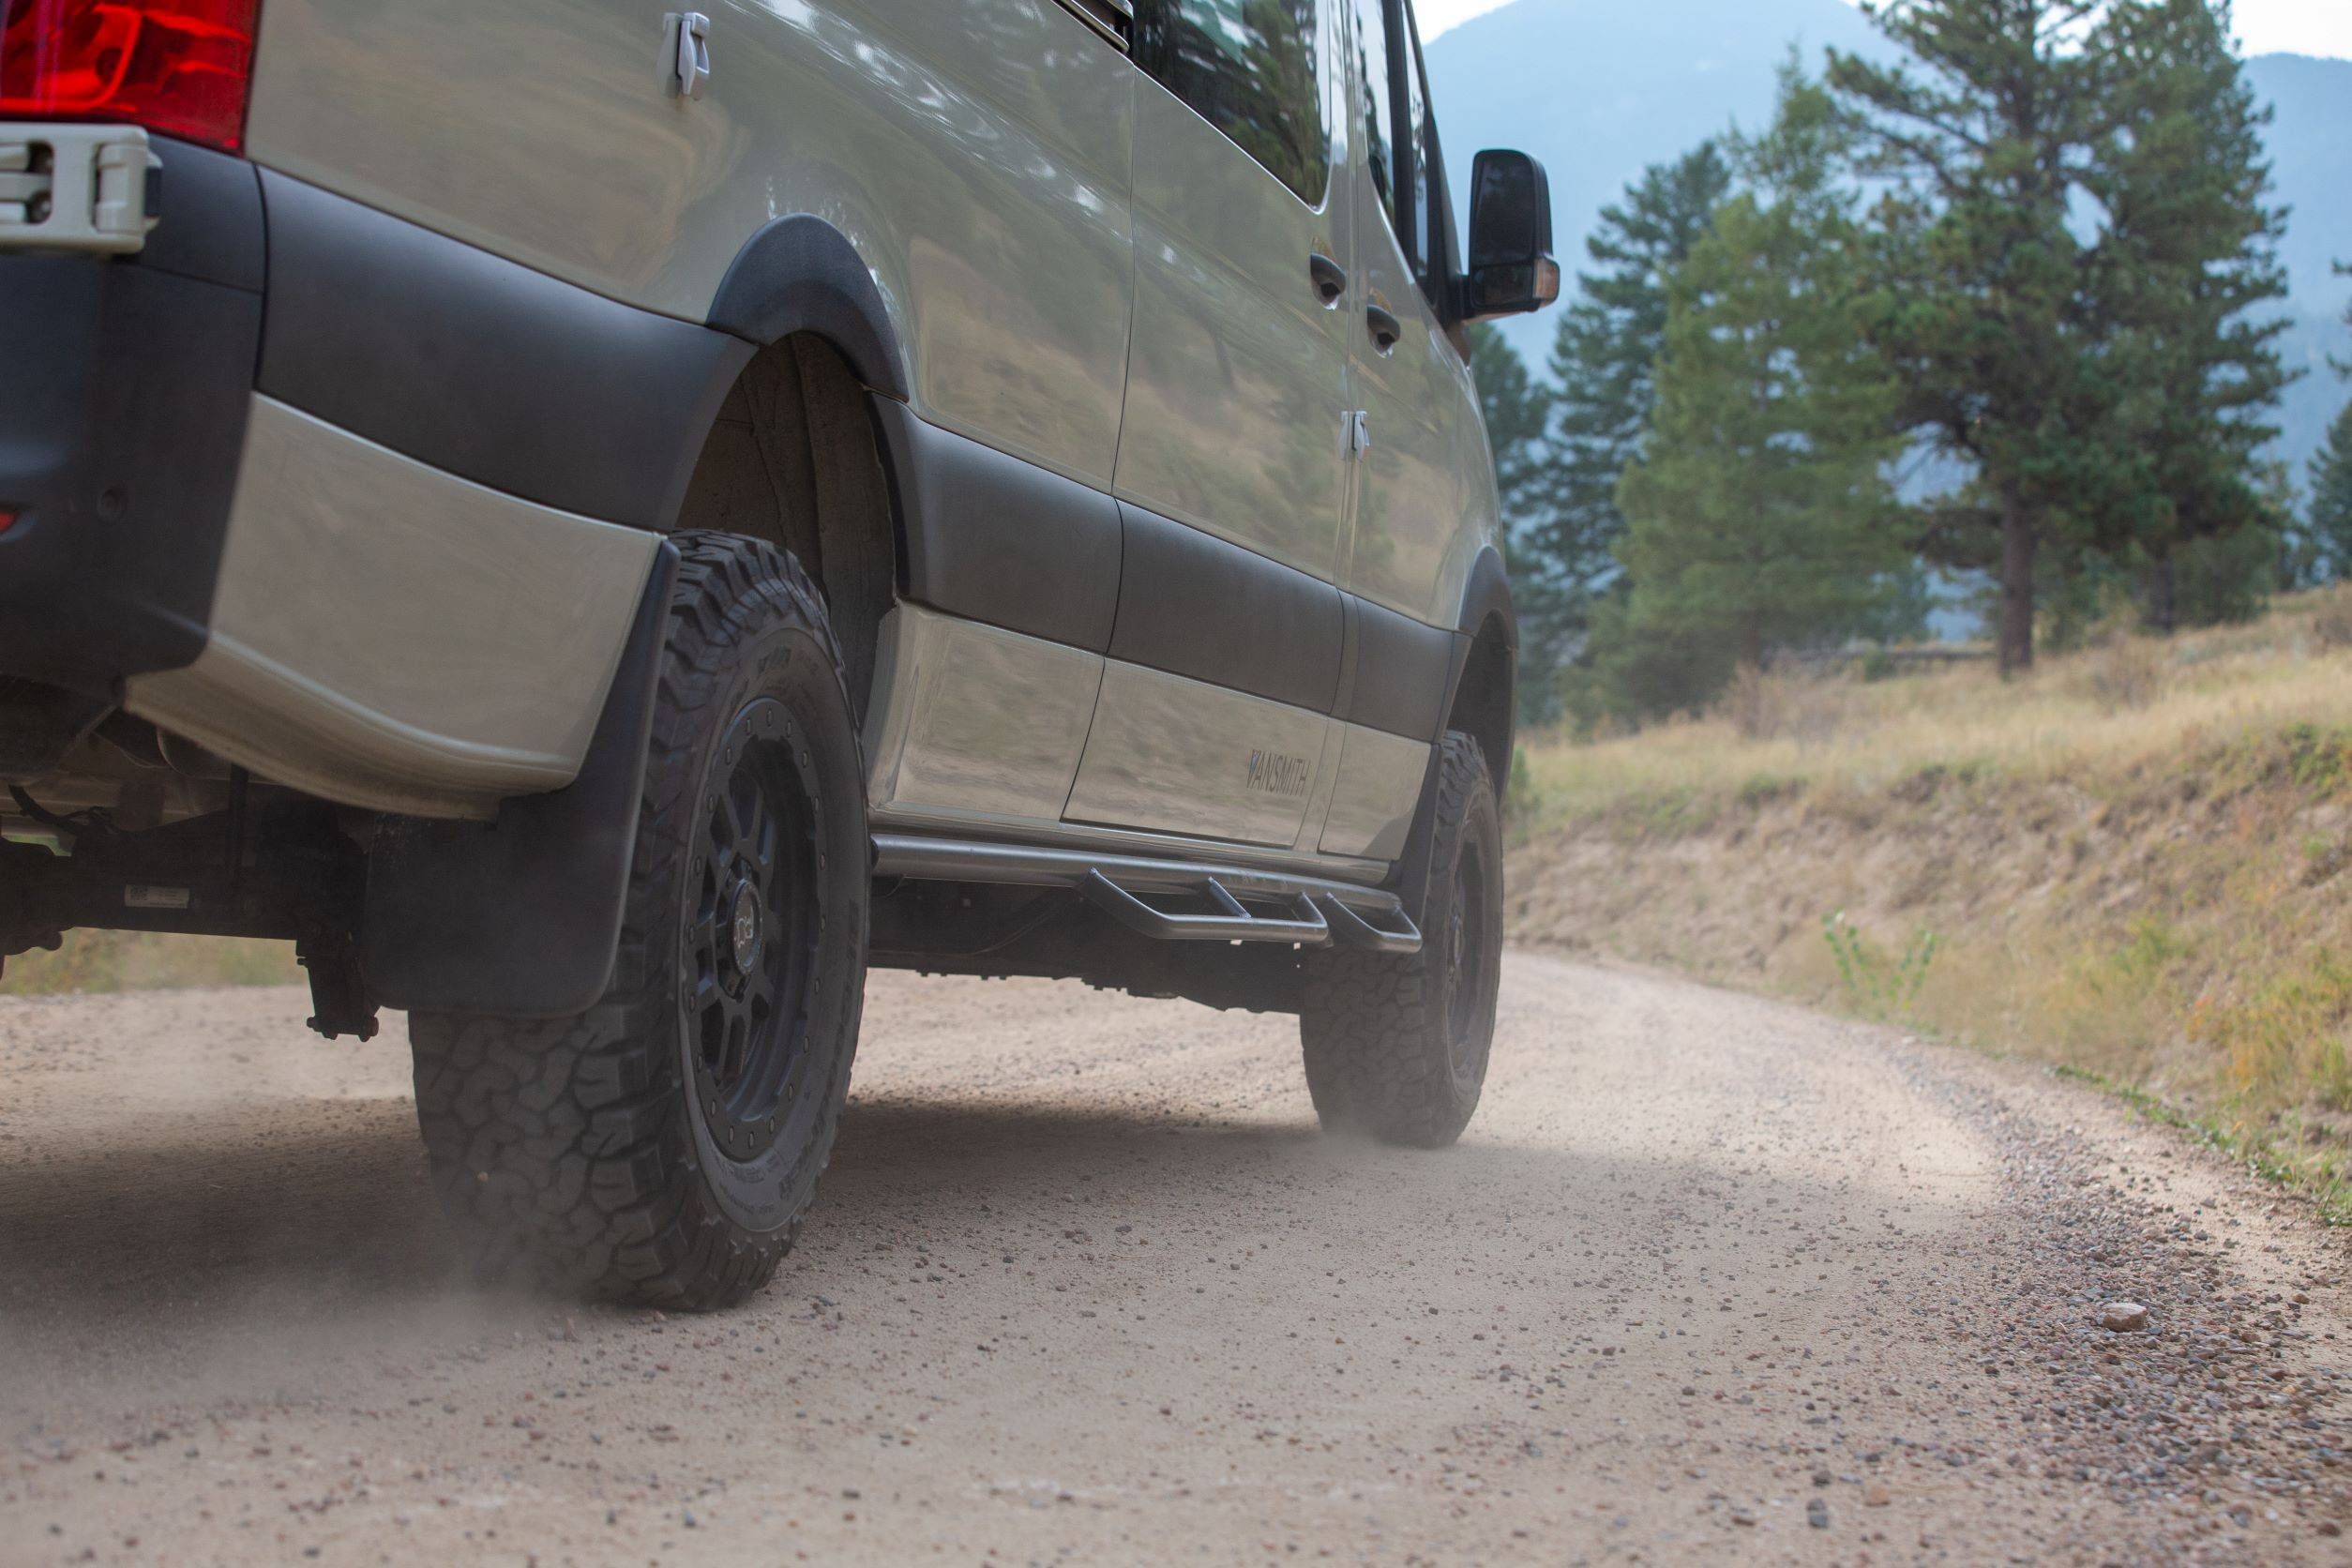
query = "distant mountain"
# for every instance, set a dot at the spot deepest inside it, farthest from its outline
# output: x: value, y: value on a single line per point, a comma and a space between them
x: 1600, y: 89
x: 2311, y: 157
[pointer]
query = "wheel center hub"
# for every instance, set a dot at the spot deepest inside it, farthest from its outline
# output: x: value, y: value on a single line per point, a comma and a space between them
x: 744, y: 928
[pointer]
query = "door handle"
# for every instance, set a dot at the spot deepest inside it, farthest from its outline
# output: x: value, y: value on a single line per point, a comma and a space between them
x: 1331, y: 278
x: 1385, y: 328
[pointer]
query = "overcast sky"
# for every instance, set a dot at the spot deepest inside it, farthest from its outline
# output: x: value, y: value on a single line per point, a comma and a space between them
x: 2267, y: 26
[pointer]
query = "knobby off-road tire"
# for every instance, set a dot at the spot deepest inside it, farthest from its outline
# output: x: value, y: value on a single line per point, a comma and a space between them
x: 662, y: 1148
x: 1397, y: 1046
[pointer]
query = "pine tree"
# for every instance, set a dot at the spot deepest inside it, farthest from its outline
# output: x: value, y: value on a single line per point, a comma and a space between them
x: 2343, y: 367
x: 2330, y: 517
x: 2190, y: 253
x: 1758, y: 508
x: 2331, y: 514
x: 1603, y: 357
x: 1517, y: 410
x: 1986, y: 135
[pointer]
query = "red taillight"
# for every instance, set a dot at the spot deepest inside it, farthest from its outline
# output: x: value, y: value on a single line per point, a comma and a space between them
x: 7, y: 520
x: 177, y: 67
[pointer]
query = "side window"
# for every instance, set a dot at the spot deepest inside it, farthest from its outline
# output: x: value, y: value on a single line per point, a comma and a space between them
x: 1405, y: 133
x: 1248, y: 66
x: 1373, y: 83
x: 1426, y: 240
x: 1401, y: 137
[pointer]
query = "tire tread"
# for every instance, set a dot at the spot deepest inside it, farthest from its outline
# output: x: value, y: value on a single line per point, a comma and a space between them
x: 1370, y: 1026
x: 560, y: 1148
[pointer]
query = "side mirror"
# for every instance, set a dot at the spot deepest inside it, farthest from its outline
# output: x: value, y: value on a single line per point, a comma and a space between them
x: 1511, y: 267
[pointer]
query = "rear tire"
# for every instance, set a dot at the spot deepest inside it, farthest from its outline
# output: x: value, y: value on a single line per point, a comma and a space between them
x: 662, y: 1148
x: 1396, y: 1046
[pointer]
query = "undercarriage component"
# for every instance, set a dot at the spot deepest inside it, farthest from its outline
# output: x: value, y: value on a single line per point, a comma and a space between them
x: 995, y: 932
x: 338, y: 986
x: 282, y: 869
x: 39, y: 724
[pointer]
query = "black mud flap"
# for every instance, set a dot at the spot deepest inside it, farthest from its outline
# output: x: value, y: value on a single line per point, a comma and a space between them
x: 521, y: 918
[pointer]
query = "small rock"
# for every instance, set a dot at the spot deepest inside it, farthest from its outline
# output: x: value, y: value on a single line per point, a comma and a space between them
x: 1817, y: 1514
x: 1877, y: 1496
x: 1742, y: 1516
x: 2123, y: 1317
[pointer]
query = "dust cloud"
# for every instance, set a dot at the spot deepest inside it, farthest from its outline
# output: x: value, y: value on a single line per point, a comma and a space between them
x: 1708, y: 1274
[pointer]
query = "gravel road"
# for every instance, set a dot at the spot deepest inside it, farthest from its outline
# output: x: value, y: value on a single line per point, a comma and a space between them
x: 1711, y: 1278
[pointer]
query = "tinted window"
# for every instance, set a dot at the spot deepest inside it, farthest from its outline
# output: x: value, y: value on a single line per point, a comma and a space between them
x: 1249, y: 68
x: 1377, y: 116
x: 1422, y: 135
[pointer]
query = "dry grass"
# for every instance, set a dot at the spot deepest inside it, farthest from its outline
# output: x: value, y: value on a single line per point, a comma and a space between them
x: 2135, y: 864
x: 95, y: 961
x: 2331, y: 617
x: 2107, y: 711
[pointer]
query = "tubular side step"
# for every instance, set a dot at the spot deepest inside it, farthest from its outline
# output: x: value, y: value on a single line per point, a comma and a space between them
x: 1304, y: 924
x: 1314, y: 912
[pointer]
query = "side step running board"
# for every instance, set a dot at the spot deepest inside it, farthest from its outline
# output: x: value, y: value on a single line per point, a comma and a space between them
x: 1306, y: 911
x: 1300, y: 922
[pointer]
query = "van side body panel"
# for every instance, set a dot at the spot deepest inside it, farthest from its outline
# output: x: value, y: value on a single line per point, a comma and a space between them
x: 974, y: 154
x: 971, y: 200
x: 1238, y: 372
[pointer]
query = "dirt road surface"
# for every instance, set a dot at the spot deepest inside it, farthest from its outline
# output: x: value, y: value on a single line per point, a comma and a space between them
x: 1710, y: 1279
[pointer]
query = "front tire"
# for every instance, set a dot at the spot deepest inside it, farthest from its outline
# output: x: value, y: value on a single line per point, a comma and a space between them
x: 662, y: 1148
x: 1396, y: 1046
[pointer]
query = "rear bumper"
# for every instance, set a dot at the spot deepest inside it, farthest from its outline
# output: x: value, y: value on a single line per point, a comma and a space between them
x: 124, y: 390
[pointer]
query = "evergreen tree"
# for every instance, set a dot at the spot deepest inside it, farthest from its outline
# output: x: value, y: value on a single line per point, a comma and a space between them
x: 2331, y: 514
x: 1985, y: 135
x: 2343, y: 367
x: 1603, y: 357
x: 2190, y: 254
x: 1758, y: 508
x: 1517, y: 410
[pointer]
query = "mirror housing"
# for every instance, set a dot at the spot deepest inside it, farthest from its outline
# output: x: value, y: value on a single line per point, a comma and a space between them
x: 1510, y: 271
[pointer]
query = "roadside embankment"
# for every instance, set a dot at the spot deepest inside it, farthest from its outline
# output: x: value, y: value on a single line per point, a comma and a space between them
x: 2138, y: 866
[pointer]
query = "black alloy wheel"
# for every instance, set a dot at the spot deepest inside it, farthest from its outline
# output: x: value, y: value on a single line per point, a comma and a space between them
x: 750, y: 942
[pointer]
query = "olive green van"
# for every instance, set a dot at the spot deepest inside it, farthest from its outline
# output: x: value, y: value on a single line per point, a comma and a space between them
x: 599, y: 523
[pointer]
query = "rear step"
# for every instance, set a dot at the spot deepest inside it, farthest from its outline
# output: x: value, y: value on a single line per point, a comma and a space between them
x: 1307, y: 912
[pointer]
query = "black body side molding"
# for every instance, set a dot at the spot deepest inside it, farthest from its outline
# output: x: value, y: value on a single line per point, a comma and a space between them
x: 521, y: 917
x: 801, y: 274
x: 1194, y: 604
x: 1402, y: 673
x: 482, y: 366
x: 993, y: 537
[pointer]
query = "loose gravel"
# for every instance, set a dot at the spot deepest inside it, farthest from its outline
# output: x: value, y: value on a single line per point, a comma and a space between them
x: 1711, y: 1278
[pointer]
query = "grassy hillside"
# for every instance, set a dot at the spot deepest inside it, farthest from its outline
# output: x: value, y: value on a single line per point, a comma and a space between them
x: 2132, y: 865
